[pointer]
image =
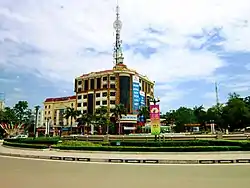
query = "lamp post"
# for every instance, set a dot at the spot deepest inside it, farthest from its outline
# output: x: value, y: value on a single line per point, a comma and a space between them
x: 155, y: 101
x: 36, y: 119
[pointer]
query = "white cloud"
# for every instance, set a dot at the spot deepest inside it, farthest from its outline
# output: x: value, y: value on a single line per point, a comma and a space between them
x: 16, y: 89
x: 63, y: 29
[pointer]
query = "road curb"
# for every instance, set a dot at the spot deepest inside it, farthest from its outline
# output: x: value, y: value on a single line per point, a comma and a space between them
x: 121, y: 160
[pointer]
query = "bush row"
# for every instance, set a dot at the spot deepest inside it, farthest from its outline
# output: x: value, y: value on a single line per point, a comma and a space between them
x: 183, y: 143
x: 152, y: 149
x: 131, y: 148
x: 39, y: 140
x: 54, y: 140
x: 23, y: 145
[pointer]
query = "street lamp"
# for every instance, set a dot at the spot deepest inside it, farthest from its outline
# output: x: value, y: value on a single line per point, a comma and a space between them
x: 154, y: 100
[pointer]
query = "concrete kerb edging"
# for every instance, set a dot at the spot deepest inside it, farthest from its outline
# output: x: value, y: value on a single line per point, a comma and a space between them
x: 120, y: 160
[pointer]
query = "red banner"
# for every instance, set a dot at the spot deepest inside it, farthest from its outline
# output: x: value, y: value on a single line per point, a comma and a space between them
x: 154, y: 112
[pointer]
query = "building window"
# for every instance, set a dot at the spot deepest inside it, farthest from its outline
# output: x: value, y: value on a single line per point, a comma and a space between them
x: 112, y: 86
x: 86, y: 85
x: 92, y: 84
x: 112, y: 93
x: 104, y: 102
x: 79, y: 89
x: 105, y: 78
x: 84, y: 111
x: 48, y: 112
x: 112, y: 78
x: 84, y: 104
x: 85, y: 96
x: 49, y: 106
x: 72, y: 104
x: 79, y: 104
x: 105, y: 86
x: 98, y: 83
x: 112, y: 102
x: 104, y: 94
x: 79, y: 82
x: 79, y: 97
x: 98, y: 95
x: 98, y: 103
x: 45, y: 112
x: 45, y: 107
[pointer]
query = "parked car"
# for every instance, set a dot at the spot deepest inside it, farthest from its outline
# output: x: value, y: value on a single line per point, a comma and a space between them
x: 20, y: 136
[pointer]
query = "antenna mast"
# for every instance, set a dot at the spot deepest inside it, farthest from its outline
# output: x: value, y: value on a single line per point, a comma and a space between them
x: 117, y: 54
x: 216, y: 94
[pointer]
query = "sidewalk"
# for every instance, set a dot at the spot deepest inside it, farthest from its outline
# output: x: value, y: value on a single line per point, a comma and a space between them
x: 168, y: 158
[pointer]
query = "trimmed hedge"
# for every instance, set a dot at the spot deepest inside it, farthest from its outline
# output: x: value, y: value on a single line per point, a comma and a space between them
x: 181, y: 143
x: 152, y: 149
x: 131, y: 148
x: 39, y: 140
x: 23, y: 145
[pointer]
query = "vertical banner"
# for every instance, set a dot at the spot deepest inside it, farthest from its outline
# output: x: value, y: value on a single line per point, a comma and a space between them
x: 136, y: 94
x: 142, y: 101
x: 155, y: 119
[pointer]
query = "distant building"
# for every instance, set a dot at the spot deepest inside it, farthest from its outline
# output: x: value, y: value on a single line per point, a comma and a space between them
x: 54, y: 109
x: 2, y: 105
x: 119, y: 85
x: 40, y: 118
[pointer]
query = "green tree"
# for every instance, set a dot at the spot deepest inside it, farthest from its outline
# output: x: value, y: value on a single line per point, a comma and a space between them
x: 201, y: 115
x: 85, y: 120
x: 236, y: 112
x: 102, y: 117
x: 215, y: 113
x: 144, y: 112
x: 117, y: 113
x: 72, y: 114
x: 22, y: 112
x: 183, y: 116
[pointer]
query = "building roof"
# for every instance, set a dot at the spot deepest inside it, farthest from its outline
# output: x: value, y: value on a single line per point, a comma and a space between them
x: 60, y: 99
x: 99, y: 72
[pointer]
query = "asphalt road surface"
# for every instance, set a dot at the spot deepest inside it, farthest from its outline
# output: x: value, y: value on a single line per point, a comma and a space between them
x: 26, y: 173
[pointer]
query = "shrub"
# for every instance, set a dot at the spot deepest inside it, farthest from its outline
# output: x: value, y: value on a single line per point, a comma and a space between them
x: 73, y: 143
x: 151, y: 149
x: 184, y: 143
x: 23, y: 145
x: 39, y: 140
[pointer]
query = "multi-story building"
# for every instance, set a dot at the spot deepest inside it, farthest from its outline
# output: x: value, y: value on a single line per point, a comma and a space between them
x: 54, y: 109
x: 119, y: 85
x: 40, y: 118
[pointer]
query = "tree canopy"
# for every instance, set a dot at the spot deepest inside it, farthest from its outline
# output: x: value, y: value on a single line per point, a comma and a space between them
x: 234, y: 114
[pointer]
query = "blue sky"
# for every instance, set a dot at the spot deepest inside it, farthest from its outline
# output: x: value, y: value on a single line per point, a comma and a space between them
x: 45, y: 44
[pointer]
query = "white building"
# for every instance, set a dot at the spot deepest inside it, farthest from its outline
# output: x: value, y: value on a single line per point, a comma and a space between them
x: 2, y: 106
x: 40, y: 118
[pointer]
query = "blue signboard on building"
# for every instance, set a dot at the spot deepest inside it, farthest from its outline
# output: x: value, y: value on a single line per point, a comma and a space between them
x: 142, y: 99
x: 136, y: 94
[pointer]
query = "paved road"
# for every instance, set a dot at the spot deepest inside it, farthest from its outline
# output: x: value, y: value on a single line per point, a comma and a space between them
x: 23, y: 173
x: 107, y: 155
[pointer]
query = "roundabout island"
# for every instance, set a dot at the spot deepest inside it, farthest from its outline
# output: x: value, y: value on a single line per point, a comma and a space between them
x: 47, y: 163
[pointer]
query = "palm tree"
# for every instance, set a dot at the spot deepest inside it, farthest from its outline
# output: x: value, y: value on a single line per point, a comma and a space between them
x: 85, y: 120
x: 102, y: 117
x: 72, y: 114
x: 117, y: 113
x: 144, y: 112
x: 36, y: 119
